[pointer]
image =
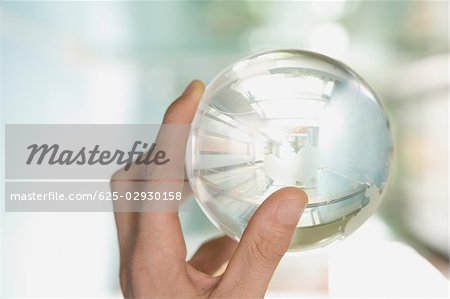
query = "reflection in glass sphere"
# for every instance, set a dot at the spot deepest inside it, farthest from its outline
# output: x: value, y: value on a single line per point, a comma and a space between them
x: 290, y: 118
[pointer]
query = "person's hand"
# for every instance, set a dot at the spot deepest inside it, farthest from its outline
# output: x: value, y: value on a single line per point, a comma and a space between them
x: 152, y: 248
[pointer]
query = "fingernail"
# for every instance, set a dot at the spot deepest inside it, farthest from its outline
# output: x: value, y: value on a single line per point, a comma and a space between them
x: 290, y: 209
x: 190, y: 88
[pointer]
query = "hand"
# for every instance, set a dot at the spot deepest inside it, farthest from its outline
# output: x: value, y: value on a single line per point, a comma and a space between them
x: 153, y: 251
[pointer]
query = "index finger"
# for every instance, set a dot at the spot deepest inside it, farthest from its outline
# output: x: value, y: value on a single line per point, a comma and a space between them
x: 159, y: 232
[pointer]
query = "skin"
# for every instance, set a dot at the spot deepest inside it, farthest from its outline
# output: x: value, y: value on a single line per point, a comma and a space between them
x: 153, y: 262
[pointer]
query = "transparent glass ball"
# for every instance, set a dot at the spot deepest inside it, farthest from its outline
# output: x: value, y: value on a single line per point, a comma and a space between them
x: 290, y: 118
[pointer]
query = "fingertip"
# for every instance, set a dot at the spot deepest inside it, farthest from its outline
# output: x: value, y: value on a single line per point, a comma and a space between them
x: 182, y: 110
x: 195, y: 86
x: 291, y: 193
x: 198, y: 83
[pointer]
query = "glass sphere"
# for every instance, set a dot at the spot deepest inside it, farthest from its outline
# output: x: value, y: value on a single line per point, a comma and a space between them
x: 290, y: 118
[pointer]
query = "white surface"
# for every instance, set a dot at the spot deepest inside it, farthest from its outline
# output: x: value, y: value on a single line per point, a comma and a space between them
x: 383, y: 269
x: 359, y: 270
x: 365, y: 265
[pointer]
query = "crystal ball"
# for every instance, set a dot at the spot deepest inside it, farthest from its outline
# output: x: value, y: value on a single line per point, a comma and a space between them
x: 290, y: 118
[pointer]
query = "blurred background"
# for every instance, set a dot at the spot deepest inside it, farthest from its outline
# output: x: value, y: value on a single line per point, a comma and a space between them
x: 124, y: 62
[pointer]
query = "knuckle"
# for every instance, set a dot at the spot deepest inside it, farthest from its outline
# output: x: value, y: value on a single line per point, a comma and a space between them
x: 119, y: 180
x: 117, y: 175
x: 123, y: 177
x: 115, y: 179
x: 171, y: 112
x: 269, y: 247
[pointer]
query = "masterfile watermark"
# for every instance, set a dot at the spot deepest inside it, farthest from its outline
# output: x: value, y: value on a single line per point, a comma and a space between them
x: 52, y: 155
x: 128, y: 168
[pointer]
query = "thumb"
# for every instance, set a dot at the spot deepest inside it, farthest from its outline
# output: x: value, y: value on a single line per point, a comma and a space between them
x: 264, y: 242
